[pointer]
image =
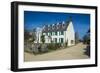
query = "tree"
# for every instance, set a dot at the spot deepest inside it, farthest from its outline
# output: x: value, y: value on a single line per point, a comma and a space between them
x: 77, y: 37
x: 86, y: 38
x: 43, y: 38
x: 33, y: 35
x: 29, y: 36
x: 33, y: 38
x: 26, y: 35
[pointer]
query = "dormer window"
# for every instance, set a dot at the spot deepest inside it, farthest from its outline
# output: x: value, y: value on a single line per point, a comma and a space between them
x: 52, y: 26
x: 63, y: 25
x: 63, y: 22
x: 43, y: 28
x: 57, y: 26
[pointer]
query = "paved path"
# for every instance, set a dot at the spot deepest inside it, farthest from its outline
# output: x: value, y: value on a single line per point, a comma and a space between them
x: 74, y: 52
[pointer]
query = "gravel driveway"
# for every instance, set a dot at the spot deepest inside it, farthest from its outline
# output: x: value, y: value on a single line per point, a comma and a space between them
x: 74, y: 52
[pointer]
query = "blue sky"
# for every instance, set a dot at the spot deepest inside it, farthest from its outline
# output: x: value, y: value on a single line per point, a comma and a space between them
x: 33, y: 19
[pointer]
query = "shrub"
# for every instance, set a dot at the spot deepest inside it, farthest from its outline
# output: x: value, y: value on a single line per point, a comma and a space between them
x: 66, y: 44
x: 50, y: 46
x: 57, y: 45
x: 53, y: 46
x: 43, y: 38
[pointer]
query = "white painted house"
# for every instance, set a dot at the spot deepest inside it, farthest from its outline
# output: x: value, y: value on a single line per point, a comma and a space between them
x: 58, y: 33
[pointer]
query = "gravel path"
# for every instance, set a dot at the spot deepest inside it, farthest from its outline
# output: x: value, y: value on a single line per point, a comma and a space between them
x: 74, y: 52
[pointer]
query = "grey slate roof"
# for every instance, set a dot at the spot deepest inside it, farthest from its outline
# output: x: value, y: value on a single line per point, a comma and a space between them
x: 56, y: 27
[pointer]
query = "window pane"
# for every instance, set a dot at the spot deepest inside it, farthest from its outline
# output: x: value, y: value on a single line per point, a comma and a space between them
x: 55, y: 33
x: 51, y: 33
x: 62, y: 32
x: 61, y: 40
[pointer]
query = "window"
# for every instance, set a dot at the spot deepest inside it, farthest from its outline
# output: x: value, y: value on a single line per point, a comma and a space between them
x: 62, y: 32
x: 51, y: 33
x: 56, y: 33
x: 59, y: 32
x: 62, y: 40
x: 55, y: 40
x: 59, y: 40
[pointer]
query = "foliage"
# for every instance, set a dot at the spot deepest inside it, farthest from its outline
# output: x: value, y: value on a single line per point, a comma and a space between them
x: 66, y: 43
x: 29, y: 36
x: 43, y: 38
x: 53, y: 46
x: 26, y: 35
x: 86, y: 38
x: 77, y: 37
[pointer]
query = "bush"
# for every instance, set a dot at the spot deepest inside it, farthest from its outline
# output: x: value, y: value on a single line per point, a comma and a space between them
x: 44, y: 48
x: 66, y: 44
x: 57, y: 45
x: 87, y: 50
x: 27, y: 47
x: 53, y: 46
x: 50, y: 46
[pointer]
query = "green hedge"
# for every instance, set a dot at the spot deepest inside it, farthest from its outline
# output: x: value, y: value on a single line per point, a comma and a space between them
x: 53, y: 46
